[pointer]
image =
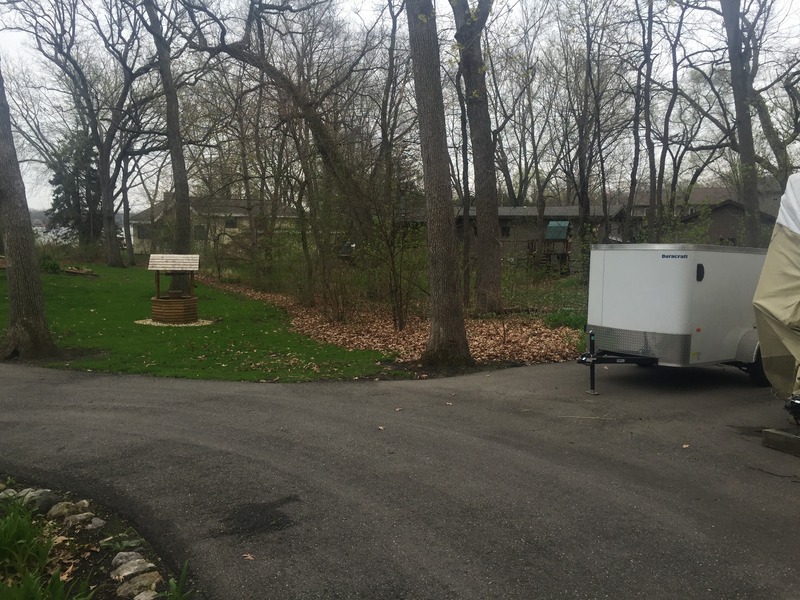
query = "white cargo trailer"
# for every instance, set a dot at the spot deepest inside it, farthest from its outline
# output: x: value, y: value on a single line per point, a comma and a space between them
x: 673, y: 304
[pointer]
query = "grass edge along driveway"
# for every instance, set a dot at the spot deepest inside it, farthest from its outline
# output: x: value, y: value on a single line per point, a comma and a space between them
x: 94, y: 320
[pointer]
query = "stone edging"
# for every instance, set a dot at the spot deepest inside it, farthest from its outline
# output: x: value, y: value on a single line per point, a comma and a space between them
x: 136, y: 577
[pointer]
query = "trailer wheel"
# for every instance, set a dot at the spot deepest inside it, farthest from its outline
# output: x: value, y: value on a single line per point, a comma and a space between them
x: 756, y: 371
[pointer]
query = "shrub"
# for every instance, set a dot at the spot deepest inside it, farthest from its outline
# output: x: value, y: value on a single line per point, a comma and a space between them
x: 48, y: 264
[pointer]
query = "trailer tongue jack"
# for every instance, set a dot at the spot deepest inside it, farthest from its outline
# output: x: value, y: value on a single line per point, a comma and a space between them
x: 604, y: 357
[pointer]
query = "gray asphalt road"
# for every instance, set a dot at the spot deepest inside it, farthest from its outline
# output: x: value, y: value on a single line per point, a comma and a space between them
x: 514, y: 484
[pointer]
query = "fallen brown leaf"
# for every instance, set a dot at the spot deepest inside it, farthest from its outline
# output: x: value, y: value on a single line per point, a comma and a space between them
x: 66, y: 575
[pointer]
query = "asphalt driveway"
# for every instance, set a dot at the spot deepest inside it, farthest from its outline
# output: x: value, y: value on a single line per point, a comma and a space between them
x: 514, y: 484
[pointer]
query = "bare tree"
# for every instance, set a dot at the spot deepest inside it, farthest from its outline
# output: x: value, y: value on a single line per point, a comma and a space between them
x: 526, y: 84
x: 100, y: 95
x: 582, y: 32
x: 447, y: 344
x: 470, y: 23
x: 739, y: 54
x: 28, y: 335
x: 461, y: 182
x: 385, y: 113
x: 746, y: 94
x: 180, y: 178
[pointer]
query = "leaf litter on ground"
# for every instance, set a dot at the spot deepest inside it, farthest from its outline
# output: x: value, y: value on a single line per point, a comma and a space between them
x: 515, y: 339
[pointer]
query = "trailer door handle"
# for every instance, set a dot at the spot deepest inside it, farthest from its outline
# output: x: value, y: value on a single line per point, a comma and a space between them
x: 701, y: 272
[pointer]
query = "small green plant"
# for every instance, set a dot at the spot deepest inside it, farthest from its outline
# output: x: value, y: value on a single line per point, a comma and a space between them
x: 24, y: 545
x: 127, y: 540
x: 176, y: 590
x: 33, y: 587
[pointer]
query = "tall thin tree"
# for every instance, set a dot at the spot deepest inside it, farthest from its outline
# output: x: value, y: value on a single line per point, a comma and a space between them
x: 739, y: 57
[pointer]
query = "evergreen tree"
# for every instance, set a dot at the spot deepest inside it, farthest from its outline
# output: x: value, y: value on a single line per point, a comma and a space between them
x: 76, y: 189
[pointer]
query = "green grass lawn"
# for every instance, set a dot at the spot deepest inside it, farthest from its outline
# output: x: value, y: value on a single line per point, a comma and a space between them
x: 94, y: 320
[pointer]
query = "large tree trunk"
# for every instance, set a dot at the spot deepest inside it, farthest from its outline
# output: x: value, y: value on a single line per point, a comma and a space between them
x: 28, y: 335
x: 183, y: 239
x: 447, y: 343
x: 470, y: 24
x: 744, y: 125
x: 182, y: 243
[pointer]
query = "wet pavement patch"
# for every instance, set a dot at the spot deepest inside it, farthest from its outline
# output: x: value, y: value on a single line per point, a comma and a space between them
x: 254, y: 518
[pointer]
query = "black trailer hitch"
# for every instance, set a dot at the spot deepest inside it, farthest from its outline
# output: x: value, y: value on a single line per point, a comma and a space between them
x: 604, y: 357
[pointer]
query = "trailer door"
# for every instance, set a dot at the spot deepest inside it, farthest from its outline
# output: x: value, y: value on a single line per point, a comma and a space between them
x: 721, y: 307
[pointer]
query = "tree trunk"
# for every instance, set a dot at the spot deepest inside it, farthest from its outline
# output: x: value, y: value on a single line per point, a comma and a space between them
x: 744, y: 124
x: 28, y: 335
x: 654, y: 215
x: 627, y: 224
x: 466, y: 199
x: 470, y: 26
x: 447, y: 343
x: 183, y: 228
x: 110, y: 243
x: 126, y: 212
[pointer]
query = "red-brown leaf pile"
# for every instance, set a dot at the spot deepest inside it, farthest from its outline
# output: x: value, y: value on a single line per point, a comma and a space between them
x: 514, y: 339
